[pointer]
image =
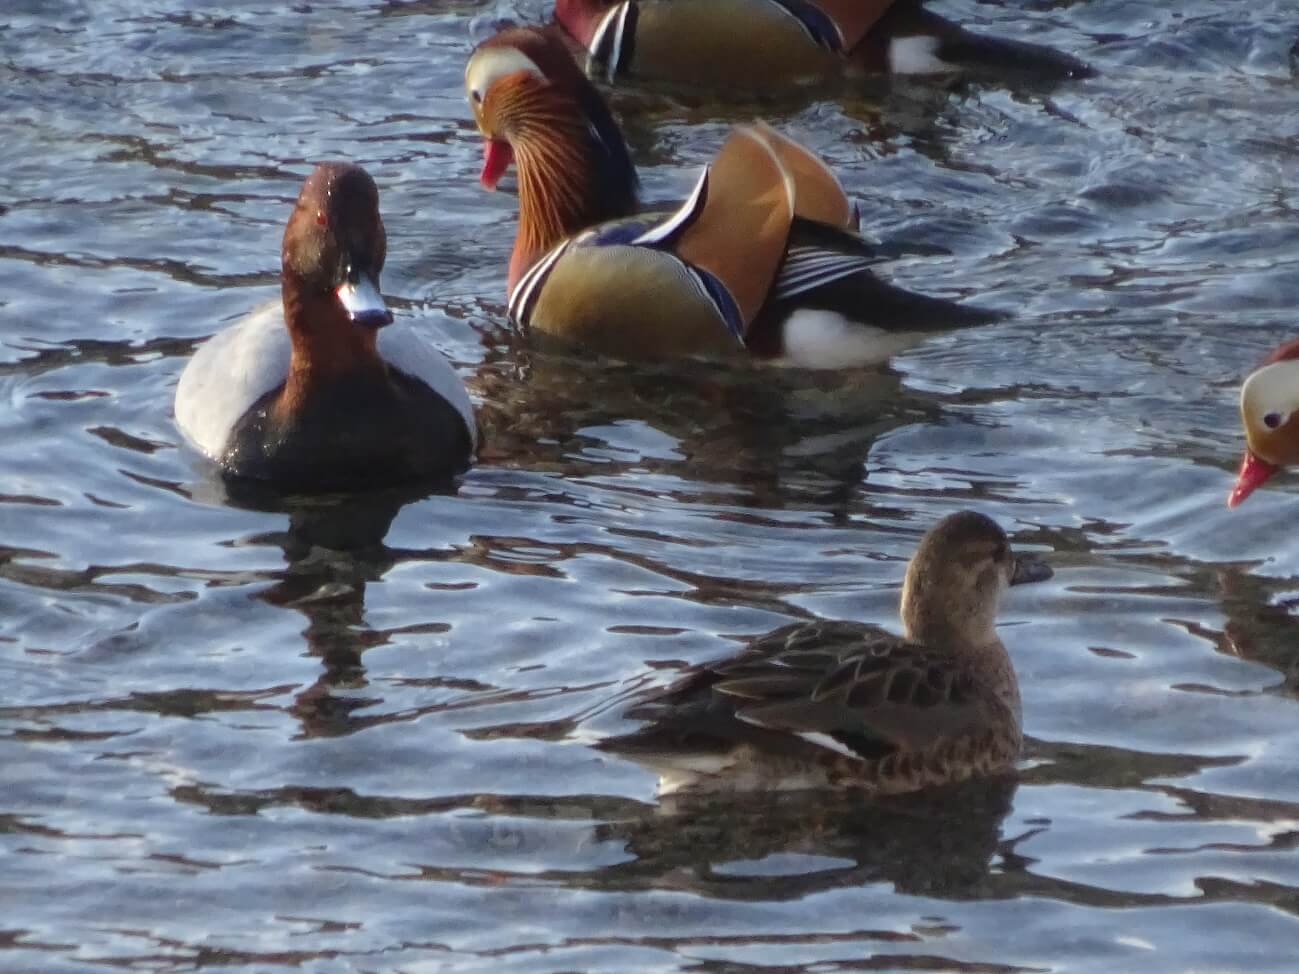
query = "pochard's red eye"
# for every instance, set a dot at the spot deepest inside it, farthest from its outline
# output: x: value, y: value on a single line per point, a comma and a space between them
x: 322, y: 220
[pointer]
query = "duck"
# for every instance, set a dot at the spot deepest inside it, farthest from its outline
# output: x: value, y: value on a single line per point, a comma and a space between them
x: 320, y: 390
x: 766, y: 45
x: 1269, y: 413
x: 764, y: 256
x: 837, y: 704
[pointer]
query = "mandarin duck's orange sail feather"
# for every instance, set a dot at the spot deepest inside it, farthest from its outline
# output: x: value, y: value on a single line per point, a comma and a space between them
x: 742, y: 231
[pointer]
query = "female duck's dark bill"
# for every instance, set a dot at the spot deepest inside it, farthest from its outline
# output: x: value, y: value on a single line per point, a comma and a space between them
x: 1029, y: 568
x: 363, y: 303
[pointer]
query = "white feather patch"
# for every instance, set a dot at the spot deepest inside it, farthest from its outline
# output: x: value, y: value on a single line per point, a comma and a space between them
x: 917, y: 55
x: 819, y: 339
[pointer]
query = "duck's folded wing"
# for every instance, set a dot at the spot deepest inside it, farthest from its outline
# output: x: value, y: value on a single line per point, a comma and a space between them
x: 228, y: 374
x: 850, y: 688
x: 884, y: 695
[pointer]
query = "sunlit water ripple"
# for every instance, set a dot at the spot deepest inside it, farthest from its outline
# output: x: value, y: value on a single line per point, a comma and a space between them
x: 352, y: 735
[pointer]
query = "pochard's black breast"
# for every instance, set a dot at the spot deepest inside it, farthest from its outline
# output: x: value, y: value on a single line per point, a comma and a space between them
x: 354, y: 433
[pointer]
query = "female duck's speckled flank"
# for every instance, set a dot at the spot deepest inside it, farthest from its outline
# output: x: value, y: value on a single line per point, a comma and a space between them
x: 1269, y: 411
x: 309, y: 393
x: 845, y: 704
x: 749, y: 45
x: 763, y: 255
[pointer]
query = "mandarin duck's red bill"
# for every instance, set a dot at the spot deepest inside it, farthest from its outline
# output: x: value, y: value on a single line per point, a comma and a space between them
x: 497, y: 157
x: 763, y: 255
x: 748, y: 45
x: 1253, y: 473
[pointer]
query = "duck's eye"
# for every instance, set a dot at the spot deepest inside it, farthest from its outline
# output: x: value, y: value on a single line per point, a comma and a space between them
x: 477, y: 96
x: 1273, y: 420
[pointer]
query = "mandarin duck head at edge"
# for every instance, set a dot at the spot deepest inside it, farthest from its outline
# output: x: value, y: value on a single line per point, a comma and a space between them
x: 1269, y: 413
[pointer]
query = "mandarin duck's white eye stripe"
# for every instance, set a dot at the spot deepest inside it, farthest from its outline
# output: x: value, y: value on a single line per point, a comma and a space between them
x: 1270, y: 395
x: 489, y: 65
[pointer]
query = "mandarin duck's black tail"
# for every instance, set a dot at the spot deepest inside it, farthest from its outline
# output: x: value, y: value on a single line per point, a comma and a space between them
x: 933, y: 38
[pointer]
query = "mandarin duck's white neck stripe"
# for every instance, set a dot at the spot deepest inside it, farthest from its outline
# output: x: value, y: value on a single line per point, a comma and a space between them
x: 682, y: 218
x: 525, y: 292
x: 609, y: 44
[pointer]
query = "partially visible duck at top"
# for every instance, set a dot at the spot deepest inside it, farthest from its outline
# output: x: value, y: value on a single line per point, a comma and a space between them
x: 320, y: 391
x: 764, y: 45
x: 764, y: 255
x: 1269, y: 411
x: 844, y: 704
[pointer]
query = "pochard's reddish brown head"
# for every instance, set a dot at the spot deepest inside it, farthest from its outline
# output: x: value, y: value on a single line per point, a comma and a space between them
x: 1269, y: 411
x: 335, y: 242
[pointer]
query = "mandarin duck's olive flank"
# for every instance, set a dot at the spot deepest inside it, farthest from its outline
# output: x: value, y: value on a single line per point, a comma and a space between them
x: 844, y: 704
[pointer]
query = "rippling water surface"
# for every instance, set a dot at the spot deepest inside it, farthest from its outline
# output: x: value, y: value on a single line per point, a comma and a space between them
x: 353, y: 734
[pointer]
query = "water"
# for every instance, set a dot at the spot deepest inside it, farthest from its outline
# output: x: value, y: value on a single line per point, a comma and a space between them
x: 352, y: 734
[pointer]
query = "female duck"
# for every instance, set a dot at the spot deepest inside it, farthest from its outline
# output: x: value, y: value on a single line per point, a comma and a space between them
x: 1269, y: 411
x: 310, y: 394
x: 749, y: 45
x: 844, y: 704
x: 763, y: 255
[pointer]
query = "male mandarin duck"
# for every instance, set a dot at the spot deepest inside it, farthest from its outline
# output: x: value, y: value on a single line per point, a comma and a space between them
x: 1269, y: 411
x: 321, y: 391
x: 764, y: 254
x: 843, y: 704
x: 759, y: 44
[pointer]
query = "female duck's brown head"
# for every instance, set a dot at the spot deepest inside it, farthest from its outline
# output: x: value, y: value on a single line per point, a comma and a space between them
x: 1269, y: 411
x: 956, y: 580
x: 333, y: 252
x: 536, y: 109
